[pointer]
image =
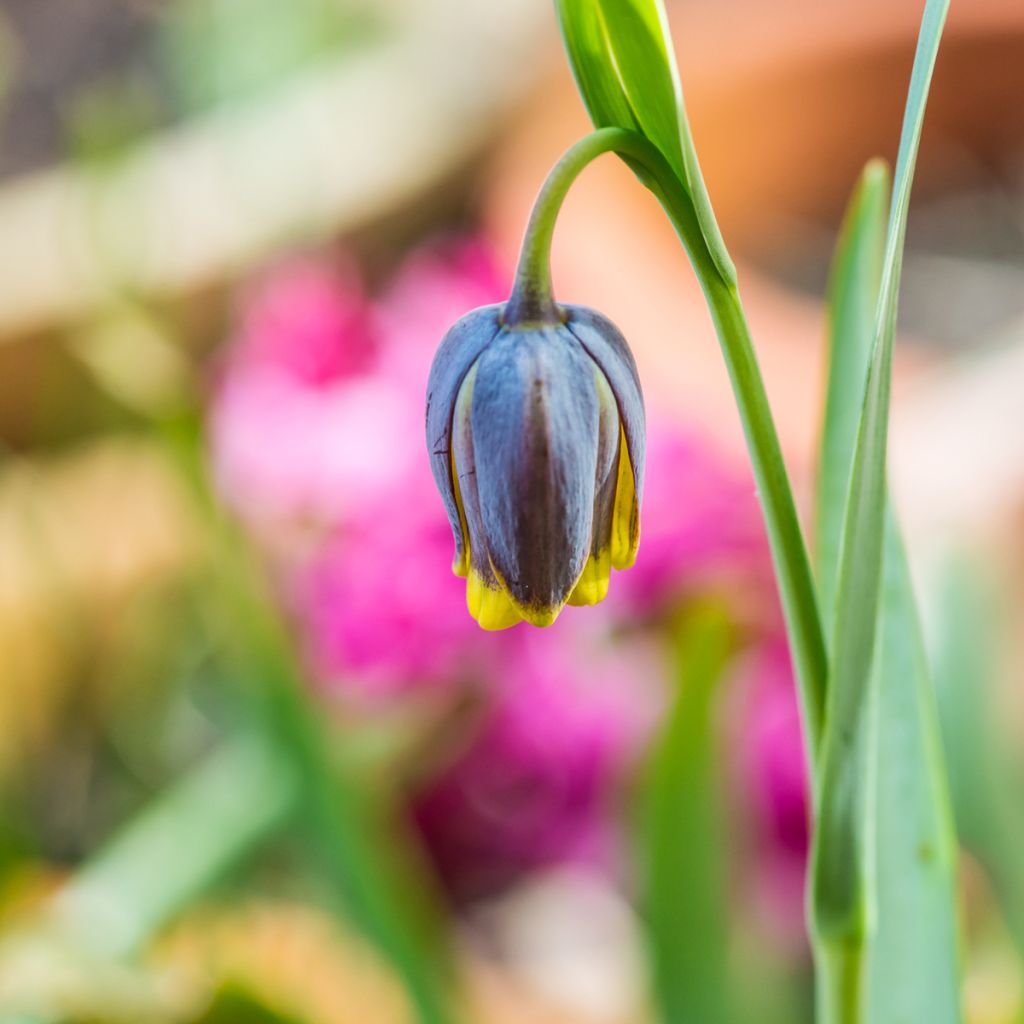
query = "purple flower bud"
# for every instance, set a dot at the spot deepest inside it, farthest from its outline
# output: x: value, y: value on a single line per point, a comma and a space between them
x: 536, y: 440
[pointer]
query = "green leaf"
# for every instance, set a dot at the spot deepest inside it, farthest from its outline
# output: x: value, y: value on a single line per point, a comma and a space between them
x: 355, y: 839
x: 913, y: 962
x: 863, y: 780
x: 852, y: 305
x: 682, y: 845
x: 645, y: 57
x: 589, y: 53
x: 987, y: 787
x: 639, y: 44
x: 622, y: 56
x: 177, y: 847
x: 352, y: 832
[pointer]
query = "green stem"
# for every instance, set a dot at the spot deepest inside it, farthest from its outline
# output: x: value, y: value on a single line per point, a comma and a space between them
x: 134, y: 886
x: 789, y: 550
x: 839, y: 971
x: 532, y: 301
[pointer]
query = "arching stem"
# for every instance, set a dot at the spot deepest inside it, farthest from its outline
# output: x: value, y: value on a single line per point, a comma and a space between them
x: 532, y: 302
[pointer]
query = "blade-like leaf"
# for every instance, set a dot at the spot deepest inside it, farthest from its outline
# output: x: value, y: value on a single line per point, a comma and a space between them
x: 913, y: 963
x: 623, y: 60
x: 852, y: 306
x: 636, y: 34
x: 841, y: 885
x: 645, y: 57
x: 681, y: 836
x: 987, y: 787
x: 176, y: 848
x: 590, y: 58
x: 355, y: 838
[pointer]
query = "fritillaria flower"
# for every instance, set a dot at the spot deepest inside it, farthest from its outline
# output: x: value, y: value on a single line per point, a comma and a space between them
x: 535, y: 427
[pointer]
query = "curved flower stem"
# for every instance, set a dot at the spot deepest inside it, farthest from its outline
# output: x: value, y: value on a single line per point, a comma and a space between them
x: 532, y: 301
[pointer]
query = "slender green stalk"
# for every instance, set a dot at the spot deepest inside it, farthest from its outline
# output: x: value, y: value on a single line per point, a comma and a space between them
x: 682, y: 838
x: 137, y: 883
x: 532, y: 299
x: 789, y: 550
x: 840, y: 973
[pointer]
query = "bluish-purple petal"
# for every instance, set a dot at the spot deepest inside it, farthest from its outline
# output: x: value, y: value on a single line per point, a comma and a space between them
x: 458, y: 351
x: 535, y: 420
x: 605, y: 344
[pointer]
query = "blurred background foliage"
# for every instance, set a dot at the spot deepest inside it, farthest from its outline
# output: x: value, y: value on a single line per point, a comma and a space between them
x: 256, y: 762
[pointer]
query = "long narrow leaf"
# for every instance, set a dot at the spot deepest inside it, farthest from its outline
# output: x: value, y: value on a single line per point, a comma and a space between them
x: 353, y: 836
x: 370, y: 885
x: 645, y: 57
x: 176, y: 848
x: 849, y: 823
x: 646, y: 66
x: 911, y: 954
x: 987, y: 786
x: 842, y: 885
x: 913, y: 961
x: 852, y: 306
x: 681, y: 837
x: 586, y: 43
x: 624, y: 63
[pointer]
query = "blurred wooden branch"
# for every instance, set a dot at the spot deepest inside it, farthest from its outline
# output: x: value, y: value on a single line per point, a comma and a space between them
x: 339, y: 146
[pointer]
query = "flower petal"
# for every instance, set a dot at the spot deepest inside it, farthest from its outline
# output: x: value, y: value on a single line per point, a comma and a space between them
x: 605, y: 344
x: 592, y: 587
x: 458, y: 352
x: 626, y: 515
x: 486, y: 599
x: 535, y: 424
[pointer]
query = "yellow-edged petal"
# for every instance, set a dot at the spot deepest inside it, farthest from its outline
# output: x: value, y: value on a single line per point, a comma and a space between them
x: 460, y: 565
x: 626, y: 515
x: 490, y: 605
x: 592, y: 587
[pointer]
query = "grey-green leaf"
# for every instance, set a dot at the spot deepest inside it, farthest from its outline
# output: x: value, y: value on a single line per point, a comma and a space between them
x: 623, y: 60
x: 852, y: 304
x: 840, y: 886
x: 913, y: 963
x: 885, y: 857
x: 589, y: 51
x: 681, y: 840
x: 986, y: 780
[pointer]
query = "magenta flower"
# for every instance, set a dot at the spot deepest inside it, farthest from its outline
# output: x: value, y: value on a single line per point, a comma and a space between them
x: 378, y: 608
x: 537, y: 782
x: 316, y: 435
x: 773, y: 778
x: 309, y: 319
x: 700, y: 525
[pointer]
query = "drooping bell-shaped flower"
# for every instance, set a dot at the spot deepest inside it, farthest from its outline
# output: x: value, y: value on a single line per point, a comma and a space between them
x: 535, y: 427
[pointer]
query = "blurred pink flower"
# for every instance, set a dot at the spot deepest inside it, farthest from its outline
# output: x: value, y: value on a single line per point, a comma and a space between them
x: 700, y: 527
x: 773, y: 777
x: 379, y: 608
x: 433, y: 288
x: 317, y: 416
x: 537, y: 783
x: 308, y: 318
x: 316, y: 429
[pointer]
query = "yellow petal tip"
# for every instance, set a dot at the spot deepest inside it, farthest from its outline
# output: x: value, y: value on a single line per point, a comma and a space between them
x: 592, y: 587
x: 490, y: 605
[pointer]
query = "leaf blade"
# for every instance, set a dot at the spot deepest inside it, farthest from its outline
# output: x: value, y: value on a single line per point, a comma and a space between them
x: 852, y: 303
x: 681, y: 836
x: 839, y: 894
x: 913, y: 961
x: 884, y: 861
